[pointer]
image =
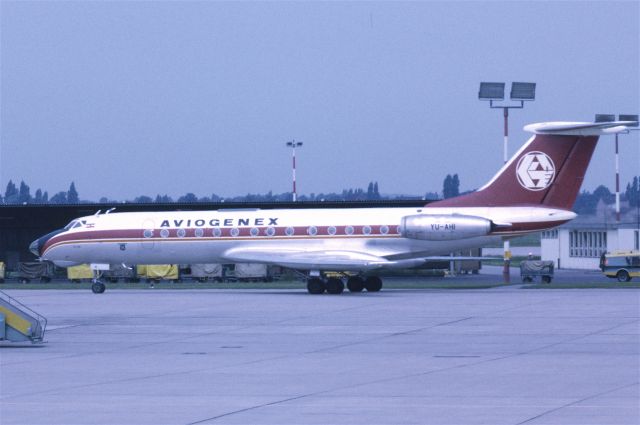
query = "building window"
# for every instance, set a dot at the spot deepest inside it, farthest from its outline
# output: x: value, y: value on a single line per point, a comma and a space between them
x: 587, y: 244
x: 636, y: 243
x: 550, y: 234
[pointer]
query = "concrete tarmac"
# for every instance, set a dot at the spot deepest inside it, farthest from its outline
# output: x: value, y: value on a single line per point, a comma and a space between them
x: 489, y: 356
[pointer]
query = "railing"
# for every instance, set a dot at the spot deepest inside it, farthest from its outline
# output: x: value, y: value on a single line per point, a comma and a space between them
x: 37, y: 333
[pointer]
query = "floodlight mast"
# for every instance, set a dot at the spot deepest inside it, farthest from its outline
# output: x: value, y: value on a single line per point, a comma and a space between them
x: 293, y: 144
x: 494, y: 92
x: 630, y: 128
x: 610, y: 118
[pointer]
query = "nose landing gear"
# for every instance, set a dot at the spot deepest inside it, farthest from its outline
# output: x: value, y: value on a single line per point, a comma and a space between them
x: 97, y: 287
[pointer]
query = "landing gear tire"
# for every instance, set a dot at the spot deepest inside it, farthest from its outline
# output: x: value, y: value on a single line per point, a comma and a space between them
x: 373, y: 284
x: 98, y: 288
x: 355, y: 284
x: 335, y: 286
x: 315, y: 286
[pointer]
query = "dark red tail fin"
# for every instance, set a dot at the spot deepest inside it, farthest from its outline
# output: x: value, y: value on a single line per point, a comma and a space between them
x: 548, y: 170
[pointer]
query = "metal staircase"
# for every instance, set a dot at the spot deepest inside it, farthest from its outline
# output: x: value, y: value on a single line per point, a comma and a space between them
x: 18, y: 323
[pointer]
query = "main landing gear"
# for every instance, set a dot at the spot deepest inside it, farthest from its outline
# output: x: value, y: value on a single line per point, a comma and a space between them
x: 334, y: 285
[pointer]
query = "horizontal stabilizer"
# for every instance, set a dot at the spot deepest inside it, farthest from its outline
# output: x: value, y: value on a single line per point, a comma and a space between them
x: 579, y: 128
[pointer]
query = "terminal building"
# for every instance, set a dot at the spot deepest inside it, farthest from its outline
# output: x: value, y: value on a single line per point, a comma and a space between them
x: 580, y: 243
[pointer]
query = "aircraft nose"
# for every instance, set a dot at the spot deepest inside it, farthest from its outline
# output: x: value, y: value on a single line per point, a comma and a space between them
x: 37, y: 246
x: 34, y: 247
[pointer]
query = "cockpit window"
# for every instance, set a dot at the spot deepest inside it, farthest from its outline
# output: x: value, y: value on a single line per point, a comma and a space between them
x: 73, y: 225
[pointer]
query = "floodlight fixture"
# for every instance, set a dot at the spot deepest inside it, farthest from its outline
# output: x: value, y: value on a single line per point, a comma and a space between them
x: 633, y: 118
x: 491, y: 91
x: 605, y: 117
x: 294, y: 144
x: 523, y: 91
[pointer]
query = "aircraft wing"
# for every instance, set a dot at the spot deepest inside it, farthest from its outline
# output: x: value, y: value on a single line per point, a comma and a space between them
x: 308, y: 260
x: 459, y: 258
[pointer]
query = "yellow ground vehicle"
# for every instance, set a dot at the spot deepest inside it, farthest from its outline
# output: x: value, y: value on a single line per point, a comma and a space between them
x: 158, y: 272
x: 79, y: 273
x: 621, y: 265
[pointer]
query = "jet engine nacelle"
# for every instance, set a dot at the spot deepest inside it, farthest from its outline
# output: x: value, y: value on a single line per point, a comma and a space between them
x: 443, y: 227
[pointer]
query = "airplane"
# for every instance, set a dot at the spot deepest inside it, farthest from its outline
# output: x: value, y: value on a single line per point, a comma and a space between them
x: 534, y: 191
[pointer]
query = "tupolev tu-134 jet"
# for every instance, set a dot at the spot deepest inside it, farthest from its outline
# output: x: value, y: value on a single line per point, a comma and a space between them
x: 535, y: 190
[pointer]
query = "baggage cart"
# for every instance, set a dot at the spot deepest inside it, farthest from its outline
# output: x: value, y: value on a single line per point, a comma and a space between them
x: 204, y: 272
x: 530, y: 269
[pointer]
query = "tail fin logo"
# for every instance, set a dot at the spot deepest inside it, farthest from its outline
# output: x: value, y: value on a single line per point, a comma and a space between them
x: 535, y: 171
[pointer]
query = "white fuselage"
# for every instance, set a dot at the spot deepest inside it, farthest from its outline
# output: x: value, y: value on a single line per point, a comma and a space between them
x: 192, y: 237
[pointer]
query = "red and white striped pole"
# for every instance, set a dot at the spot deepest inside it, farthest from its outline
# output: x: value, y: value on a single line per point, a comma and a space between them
x: 294, y: 173
x: 506, y: 274
x: 617, y: 182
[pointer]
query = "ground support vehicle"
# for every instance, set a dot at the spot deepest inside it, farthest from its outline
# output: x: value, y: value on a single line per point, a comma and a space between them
x: 205, y: 272
x: 119, y: 272
x: 84, y: 273
x: 251, y: 272
x: 158, y: 272
x: 79, y: 273
x: 530, y: 269
x: 621, y: 265
x: 32, y: 270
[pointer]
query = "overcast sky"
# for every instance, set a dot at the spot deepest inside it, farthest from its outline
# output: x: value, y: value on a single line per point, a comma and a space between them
x: 129, y: 98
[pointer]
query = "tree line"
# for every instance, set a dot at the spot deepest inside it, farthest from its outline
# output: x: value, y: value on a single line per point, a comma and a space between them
x: 22, y: 195
x: 586, y: 202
